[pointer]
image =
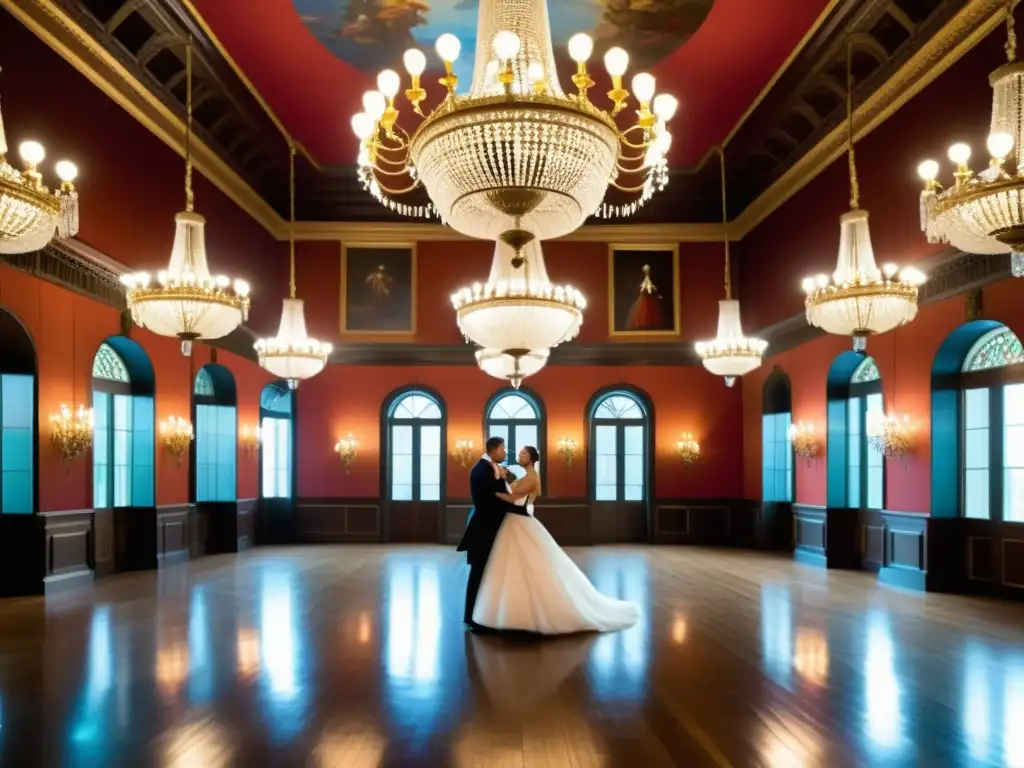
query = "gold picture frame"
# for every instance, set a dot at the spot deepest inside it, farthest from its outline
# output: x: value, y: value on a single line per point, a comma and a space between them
x: 616, y: 325
x: 349, y: 250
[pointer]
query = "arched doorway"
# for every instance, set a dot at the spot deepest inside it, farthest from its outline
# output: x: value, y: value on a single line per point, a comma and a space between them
x: 517, y: 416
x: 778, y: 484
x: 123, y: 386
x: 277, y: 464
x: 213, y: 461
x: 414, y: 455
x: 620, y: 464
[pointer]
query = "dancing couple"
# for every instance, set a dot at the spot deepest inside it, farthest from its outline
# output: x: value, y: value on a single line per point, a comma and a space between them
x: 519, y: 578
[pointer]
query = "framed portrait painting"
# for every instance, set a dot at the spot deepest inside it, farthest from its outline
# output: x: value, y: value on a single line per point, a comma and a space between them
x: 378, y: 291
x: 643, y: 290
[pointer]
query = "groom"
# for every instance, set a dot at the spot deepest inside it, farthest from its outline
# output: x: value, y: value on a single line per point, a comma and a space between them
x: 485, y: 517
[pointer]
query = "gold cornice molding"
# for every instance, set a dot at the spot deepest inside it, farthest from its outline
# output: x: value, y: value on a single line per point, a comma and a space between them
x: 47, y: 21
x: 959, y: 35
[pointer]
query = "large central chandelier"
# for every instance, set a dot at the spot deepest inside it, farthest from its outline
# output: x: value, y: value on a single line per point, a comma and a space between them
x: 187, y: 302
x: 730, y: 353
x: 30, y: 213
x: 982, y: 213
x: 292, y: 354
x: 860, y: 300
x: 516, y: 157
x: 517, y: 315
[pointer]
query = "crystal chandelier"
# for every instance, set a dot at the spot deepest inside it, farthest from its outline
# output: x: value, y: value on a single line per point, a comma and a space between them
x: 982, y: 213
x: 187, y: 302
x: 72, y: 431
x: 860, y: 300
x: 292, y: 354
x: 516, y: 154
x: 30, y: 213
x: 889, y: 435
x: 730, y: 353
x: 518, y: 315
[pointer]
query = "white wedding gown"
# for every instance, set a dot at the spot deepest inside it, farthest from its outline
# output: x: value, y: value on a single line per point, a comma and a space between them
x: 531, y: 584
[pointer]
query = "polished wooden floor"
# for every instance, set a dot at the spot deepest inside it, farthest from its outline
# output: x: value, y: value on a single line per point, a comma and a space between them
x: 356, y: 656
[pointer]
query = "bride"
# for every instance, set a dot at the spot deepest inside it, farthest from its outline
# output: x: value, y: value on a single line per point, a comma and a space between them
x: 531, y: 584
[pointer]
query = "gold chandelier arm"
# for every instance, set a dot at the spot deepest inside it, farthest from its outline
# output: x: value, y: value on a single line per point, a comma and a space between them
x: 626, y: 142
x: 725, y: 226
x: 382, y: 172
x: 390, y: 191
x: 630, y: 190
x: 404, y: 163
x: 1011, y: 34
x: 632, y: 169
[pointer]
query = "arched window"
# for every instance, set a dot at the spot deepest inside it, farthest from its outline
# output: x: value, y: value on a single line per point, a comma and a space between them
x: 215, y: 417
x: 619, y: 435
x: 276, y: 419
x: 992, y: 453
x: 415, y: 447
x: 515, y: 416
x: 18, y: 417
x: 776, y: 449
x: 865, y: 466
x: 123, y: 431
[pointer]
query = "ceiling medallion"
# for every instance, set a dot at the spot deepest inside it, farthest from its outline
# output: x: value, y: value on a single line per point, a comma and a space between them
x: 292, y: 354
x: 730, y: 353
x: 30, y: 213
x: 188, y: 303
x: 516, y: 153
x: 982, y: 213
x: 860, y: 300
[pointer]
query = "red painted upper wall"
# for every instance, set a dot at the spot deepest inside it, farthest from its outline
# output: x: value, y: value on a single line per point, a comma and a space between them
x: 130, y: 183
x: 801, y: 238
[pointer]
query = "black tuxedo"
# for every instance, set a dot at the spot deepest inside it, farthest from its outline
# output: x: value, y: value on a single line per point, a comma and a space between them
x: 482, y: 527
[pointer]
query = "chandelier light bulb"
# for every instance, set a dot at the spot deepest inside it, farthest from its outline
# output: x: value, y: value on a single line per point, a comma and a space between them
x: 960, y: 153
x: 890, y: 270
x: 448, y: 47
x: 581, y: 45
x: 822, y: 281
x: 388, y: 83
x: 912, y: 276
x: 616, y: 61
x: 643, y: 87
x: 665, y: 106
x: 535, y: 72
x: 415, y: 62
x: 999, y: 145
x: 928, y: 170
x: 808, y: 285
x: 66, y: 171
x: 664, y: 143
x: 32, y: 152
x: 506, y: 45
x: 362, y: 126
x: 374, y: 104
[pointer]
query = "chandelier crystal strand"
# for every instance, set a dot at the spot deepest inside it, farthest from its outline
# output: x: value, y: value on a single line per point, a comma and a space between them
x: 860, y: 300
x: 982, y: 213
x: 187, y: 302
x: 31, y: 215
x: 292, y: 355
x: 516, y: 151
x: 730, y: 353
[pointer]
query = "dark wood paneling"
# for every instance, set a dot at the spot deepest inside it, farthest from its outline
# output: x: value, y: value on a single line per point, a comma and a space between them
x: 776, y: 528
x: 905, y: 550
x: 980, y: 558
x: 22, y: 555
x: 136, y: 538
x: 223, y: 526
x: 411, y: 522
x: 809, y: 530
x: 276, y: 520
x: 172, y: 534
x: 103, y: 542
x: 338, y: 521
x: 246, y: 528
x: 1013, y: 562
x: 68, y: 543
x: 872, y: 539
x: 618, y: 523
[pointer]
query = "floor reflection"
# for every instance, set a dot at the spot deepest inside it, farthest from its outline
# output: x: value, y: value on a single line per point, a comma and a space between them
x: 619, y: 660
x: 882, y: 696
x: 279, y: 652
x: 90, y: 727
x: 777, y: 634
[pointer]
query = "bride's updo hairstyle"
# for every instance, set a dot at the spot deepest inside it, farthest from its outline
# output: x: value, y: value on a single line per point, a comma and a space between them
x: 533, y: 453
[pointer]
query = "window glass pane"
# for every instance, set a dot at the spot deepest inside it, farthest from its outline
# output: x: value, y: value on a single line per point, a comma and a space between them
x: 606, y: 469
x: 401, y: 492
x: 17, y: 450
x: 401, y: 475
x: 875, y: 487
x: 786, y: 493
x: 1013, y: 495
x: 430, y: 492
x: 853, y: 416
x: 122, y: 452
x: 1013, y: 404
x: 768, y: 429
x: 633, y: 441
x: 604, y: 441
x: 401, y: 440
x: 633, y: 470
x: 853, y: 487
x: 618, y: 407
x: 18, y: 399
x: 976, y: 449
x: 976, y: 408
x: 1013, y: 446
x: 976, y: 494
x: 526, y: 434
x: 17, y: 492
x: 633, y: 493
x: 268, y: 443
x: 430, y: 470
x: 143, y: 438
x: 604, y: 492
x: 430, y: 441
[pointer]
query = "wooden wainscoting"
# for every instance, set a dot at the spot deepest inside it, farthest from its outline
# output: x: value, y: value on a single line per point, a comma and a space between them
x: 137, y: 540
x: 245, y: 530
x: 776, y: 528
x: 905, y: 550
x: 276, y: 521
x: 707, y: 522
x: 68, y: 541
x: 568, y: 520
x: 173, y: 534
x: 222, y: 527
x: 871, y: 523
x: 103, y: 542
x: 830, y: 537
x: 994, y: 557
x: 323, y: 521
x: 810, y: 532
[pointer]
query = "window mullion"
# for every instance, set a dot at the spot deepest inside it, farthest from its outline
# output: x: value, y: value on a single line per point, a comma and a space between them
x: 416, y: 458
x: 620, y: 461
x: 996, y: 456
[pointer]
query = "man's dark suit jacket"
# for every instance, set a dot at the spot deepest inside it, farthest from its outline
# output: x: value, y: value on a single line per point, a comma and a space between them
x: 487, y: 513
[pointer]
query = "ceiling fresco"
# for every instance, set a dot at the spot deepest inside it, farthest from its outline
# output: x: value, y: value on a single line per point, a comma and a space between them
x: 371, y: 35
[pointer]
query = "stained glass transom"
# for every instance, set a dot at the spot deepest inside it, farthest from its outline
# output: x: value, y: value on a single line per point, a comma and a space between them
x: 416, y: 406
x: 866, y: 371
x: 108, y: 365
x: 513, y: 408
x: 275, y: 399
x: 204, y: 383
x: 999, y: 348
x: 619, y: 407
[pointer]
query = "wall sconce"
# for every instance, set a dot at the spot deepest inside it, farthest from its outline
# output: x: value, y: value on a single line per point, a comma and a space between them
x: 250, y: 440
x: 72, y: 431
x: 346, y: 448
x: 804, y: 441
x: 464, y: 453
x: 687, y: 448
x: 177, y: 435
x: 889, y: 434
x: 567, y: 450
